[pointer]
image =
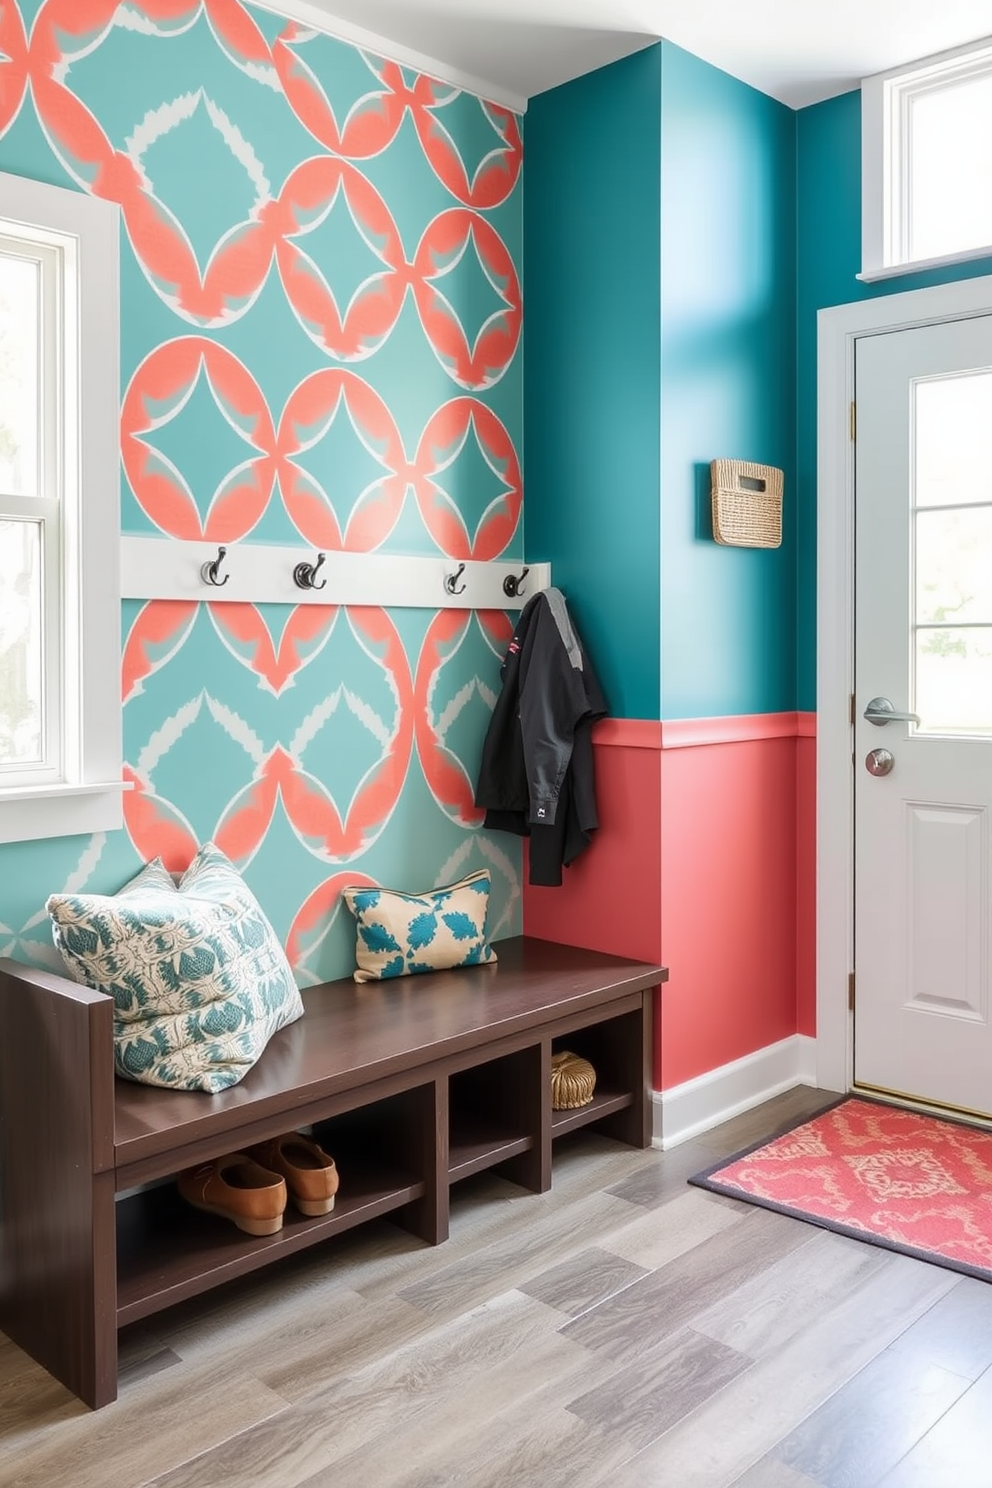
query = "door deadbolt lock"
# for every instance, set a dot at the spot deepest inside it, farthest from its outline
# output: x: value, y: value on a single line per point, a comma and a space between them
x: 879, y: 761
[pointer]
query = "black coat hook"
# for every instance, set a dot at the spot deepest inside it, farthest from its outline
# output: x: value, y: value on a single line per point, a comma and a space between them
x: 513, y: 584
x: 451, y: 584
x: 210, y: 570
x: 305, y: 574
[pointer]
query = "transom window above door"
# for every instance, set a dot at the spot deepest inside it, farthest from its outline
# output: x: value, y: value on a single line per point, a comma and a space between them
x: 927, y: 163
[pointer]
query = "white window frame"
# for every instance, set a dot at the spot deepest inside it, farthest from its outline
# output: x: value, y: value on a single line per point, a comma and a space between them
x: 886, y: 106
x: 79, y: 789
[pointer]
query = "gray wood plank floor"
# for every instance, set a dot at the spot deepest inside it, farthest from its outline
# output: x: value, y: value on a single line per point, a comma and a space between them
x: 623, y: 1329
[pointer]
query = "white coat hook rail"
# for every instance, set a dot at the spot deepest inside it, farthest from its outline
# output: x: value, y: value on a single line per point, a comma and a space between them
x: 261, y: 573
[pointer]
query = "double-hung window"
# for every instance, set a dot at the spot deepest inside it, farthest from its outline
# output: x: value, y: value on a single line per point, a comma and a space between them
x: 927, y: 163
x: 60, y: 750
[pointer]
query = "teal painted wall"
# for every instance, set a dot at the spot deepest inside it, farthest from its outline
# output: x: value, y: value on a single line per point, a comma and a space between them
x: 311, y: 248
x: 592, y: 417
x: 728, y: 385
x: 829, y: 258
x: 755, y: 215
x: 635, y: 379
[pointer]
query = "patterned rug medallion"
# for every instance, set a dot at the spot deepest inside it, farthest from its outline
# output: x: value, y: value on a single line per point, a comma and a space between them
x: 909, y: 1182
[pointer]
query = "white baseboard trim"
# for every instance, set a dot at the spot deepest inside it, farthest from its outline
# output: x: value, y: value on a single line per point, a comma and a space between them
x: 702, y: 1103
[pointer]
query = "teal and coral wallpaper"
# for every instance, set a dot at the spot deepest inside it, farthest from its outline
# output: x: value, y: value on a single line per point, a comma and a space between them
x: 320, y: 344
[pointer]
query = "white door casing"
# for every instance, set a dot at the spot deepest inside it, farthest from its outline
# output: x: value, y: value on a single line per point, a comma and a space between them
x: 839, y: 329
x: 923, y: 628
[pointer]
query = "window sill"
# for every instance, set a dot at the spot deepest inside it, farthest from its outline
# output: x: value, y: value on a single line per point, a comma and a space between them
x: 30, y: 812
x: 921, y: 265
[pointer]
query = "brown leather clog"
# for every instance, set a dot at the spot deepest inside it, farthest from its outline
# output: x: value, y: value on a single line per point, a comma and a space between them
x: 252, y: 1197
x: 311, y: 1177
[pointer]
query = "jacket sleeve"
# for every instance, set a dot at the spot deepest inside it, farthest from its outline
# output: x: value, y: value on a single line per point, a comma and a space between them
x: 501, y: 789
x: 552, y: 701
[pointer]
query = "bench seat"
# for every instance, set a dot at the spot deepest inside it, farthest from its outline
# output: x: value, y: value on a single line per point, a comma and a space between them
x: 412, y: 1084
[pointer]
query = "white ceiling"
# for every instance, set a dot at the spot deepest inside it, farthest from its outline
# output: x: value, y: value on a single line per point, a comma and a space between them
x: 797, y: 50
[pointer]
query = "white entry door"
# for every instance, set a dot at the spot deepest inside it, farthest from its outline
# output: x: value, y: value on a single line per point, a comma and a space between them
x: 923, y: 648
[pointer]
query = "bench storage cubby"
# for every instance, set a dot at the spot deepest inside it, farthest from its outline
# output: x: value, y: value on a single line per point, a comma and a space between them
x: 412, y: 1085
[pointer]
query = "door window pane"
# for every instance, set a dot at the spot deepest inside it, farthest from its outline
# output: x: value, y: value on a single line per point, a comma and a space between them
x: 952, y: 539
x: 20, y: 304
x: 953, y: 440
x: 954, y: 680
x: 950, y: 168
x: 21, y: 712
x: 954, y: 566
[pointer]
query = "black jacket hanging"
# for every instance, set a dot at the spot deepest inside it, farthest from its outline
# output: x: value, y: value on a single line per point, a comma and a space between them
x: 536, y: 777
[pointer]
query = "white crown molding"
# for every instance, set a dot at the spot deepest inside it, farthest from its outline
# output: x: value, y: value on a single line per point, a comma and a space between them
x: 309, y: 14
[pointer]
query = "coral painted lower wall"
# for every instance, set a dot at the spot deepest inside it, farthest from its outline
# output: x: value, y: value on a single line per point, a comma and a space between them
x: 728, y: 902
x: 704, y: 862
x: 610, y: 895
x: 320, y: 327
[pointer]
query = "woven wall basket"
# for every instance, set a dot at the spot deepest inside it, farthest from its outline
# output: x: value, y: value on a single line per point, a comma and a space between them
x: 573, y: 1081
x: 747, y: 504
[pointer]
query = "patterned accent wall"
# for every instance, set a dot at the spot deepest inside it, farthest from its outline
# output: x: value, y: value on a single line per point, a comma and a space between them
x: 320, y: 320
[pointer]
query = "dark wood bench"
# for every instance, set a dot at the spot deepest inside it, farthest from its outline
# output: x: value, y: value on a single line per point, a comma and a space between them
x: 412, y: 1084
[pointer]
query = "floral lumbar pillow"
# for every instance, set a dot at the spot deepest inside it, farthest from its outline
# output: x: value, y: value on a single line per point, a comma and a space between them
x: 199, y: 980
x: 401, y: 934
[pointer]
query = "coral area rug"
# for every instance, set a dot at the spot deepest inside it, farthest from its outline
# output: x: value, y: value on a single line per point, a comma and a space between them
x: 912, y: 1183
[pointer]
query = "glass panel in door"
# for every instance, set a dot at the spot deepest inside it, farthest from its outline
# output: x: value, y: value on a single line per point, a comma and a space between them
x: 951, y: 658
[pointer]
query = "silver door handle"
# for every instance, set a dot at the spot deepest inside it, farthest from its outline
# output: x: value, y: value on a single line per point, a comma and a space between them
x: 880, y: 712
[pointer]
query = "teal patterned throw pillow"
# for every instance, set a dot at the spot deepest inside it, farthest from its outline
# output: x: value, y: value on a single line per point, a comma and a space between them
x: 401, y: 934
x: 199, y: 981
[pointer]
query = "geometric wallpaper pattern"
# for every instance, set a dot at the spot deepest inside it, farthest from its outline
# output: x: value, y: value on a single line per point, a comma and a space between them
x: 320, y: 344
